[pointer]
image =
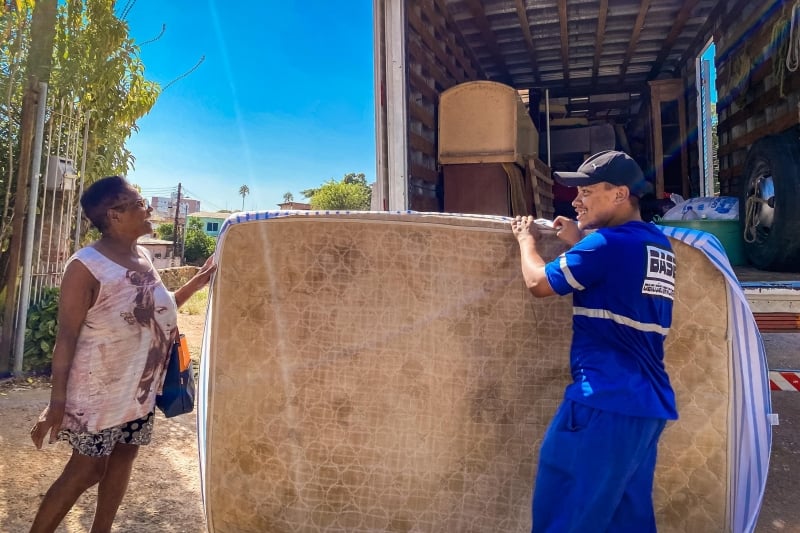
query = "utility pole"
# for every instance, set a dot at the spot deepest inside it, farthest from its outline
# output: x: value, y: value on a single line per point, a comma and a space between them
x: 183, y: 237
x: 176, y: 235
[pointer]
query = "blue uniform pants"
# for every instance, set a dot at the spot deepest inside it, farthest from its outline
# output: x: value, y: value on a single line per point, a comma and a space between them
x: 596, y: 472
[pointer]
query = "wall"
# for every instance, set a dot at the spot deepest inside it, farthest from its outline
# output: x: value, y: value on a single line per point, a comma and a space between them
x: 174, y: 278
x: 161, y: 254
x: 437, y: 60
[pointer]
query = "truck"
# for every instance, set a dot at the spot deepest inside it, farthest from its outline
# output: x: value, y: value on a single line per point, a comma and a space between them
x: 640, y: 69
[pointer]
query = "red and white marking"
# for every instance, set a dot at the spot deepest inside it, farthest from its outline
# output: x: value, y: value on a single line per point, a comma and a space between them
x: 784, y: 380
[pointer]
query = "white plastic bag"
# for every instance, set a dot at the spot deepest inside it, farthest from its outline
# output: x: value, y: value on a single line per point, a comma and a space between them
x: 706, y: 207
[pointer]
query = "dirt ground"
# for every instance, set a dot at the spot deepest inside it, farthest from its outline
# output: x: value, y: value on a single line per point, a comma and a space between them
x: 164, y: 493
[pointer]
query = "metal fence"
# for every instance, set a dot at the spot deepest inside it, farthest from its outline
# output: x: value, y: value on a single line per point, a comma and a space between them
x: 52, y: 228
x: 56, y: 228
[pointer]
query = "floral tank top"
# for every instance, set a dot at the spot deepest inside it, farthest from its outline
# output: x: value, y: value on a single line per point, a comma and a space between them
x: 122, y: 347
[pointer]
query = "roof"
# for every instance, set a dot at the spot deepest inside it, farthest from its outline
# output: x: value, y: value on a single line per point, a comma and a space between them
x: 208, y: 214
x: 145, y: 240
x: 300, y: 206
x: 579, y: 47
x: 156, y: 218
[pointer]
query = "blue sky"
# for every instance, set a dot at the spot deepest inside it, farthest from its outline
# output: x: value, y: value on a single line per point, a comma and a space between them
x: 709, y: 55
x: 282, y: 102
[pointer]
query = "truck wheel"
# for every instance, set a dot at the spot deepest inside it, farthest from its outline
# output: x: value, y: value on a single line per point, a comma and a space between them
x: 769, y: 203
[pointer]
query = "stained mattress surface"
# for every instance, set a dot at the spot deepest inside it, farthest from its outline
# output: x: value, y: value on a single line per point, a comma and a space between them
x: 391, y: 372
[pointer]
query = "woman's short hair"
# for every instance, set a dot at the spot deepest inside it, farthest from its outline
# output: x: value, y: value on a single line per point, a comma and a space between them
x: 100, y: 196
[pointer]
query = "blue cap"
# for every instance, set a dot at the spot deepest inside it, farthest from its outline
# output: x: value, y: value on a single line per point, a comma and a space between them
x: 610, y: 166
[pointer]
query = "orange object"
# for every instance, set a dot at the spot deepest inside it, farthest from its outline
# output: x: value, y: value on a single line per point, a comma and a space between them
x: 184, y: 357
x: 777, y: 322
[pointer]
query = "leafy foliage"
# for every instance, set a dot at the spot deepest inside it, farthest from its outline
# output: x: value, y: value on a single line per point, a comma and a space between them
x: 92, y: 234
x: 166, y: 231
x: 199, y: 246
x: 351, y: 193
x: 715, y: 147
x: 40, y: 332
x: 97, y: 63
x: 196, y: 304
x: 95, y: 67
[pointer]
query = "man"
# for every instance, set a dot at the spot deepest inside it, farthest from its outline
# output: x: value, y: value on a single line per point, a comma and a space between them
x: 598, y: 456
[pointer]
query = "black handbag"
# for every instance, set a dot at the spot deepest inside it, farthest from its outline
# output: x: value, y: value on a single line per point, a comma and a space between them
x: 177, y: 394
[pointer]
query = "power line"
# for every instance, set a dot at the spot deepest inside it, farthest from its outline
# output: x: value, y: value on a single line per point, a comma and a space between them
x: 186, y: 194
x: 157, y: 192
x: 161, y: 189
x: 203, y: 201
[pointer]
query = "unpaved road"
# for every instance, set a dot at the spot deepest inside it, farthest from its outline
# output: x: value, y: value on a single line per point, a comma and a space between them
x: 164, y: 493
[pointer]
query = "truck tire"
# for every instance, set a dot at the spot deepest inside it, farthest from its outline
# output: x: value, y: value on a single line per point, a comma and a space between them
x: 769, y: 203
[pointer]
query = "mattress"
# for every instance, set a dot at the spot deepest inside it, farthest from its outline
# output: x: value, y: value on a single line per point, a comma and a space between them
x: 391, y: 372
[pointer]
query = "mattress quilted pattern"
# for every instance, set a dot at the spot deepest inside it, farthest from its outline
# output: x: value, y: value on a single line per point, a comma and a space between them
x: 391, y: 372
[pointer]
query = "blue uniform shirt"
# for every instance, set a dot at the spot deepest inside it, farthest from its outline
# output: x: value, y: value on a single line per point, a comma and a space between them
x: 622, y: 279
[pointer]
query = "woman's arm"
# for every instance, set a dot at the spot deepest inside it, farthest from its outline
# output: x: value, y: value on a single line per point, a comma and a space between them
x: 77, y: 295
x: 197, y: 282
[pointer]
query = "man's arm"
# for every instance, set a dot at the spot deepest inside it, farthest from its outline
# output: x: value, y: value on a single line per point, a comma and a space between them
x: 533, y: 270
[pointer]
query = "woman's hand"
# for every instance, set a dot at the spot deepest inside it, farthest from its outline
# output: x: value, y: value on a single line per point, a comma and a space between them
x: 204, y: 274
x: 197, y: 282
x: 567, y: 230
x: 50, y: 420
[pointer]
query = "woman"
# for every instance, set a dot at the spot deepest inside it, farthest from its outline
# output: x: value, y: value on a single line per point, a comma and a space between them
x: 109, y: 357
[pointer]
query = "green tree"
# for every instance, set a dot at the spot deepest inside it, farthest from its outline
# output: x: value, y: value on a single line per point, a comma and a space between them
x: 38, y: 65
x: 90, y: 235
x: 95, y: 67
x: 166, y: 231
x: 244, y: 190
x: 288, y: 197
x: 351, y: 192
x: 199, y: 246
x: 99, y: 65
x: 355, y: 179
x: 715, y: 147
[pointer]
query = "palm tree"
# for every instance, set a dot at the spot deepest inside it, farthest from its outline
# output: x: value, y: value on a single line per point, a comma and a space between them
x: 288, y: 197
x: 244, y: 190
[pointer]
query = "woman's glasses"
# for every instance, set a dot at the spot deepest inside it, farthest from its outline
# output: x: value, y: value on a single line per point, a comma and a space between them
x: 139, y: 202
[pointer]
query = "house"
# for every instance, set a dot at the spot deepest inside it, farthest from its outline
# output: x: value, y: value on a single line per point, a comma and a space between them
x: 212, y: 222
x: 160, y: 251
x: 297, y: 206
x: 165, y: 207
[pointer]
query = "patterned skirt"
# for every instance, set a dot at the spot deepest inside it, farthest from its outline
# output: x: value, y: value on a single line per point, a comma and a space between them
x: 101, y: 443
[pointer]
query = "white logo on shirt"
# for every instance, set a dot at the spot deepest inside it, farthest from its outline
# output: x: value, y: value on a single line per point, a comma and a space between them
x: 659, y: 278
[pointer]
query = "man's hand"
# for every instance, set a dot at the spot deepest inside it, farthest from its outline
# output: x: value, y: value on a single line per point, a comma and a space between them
x: 533, y: 266
x: 523, y: 228
x: 567, y: 230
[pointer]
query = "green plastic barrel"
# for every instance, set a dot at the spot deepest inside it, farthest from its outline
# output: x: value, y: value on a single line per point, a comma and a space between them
x: 729, y: 233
